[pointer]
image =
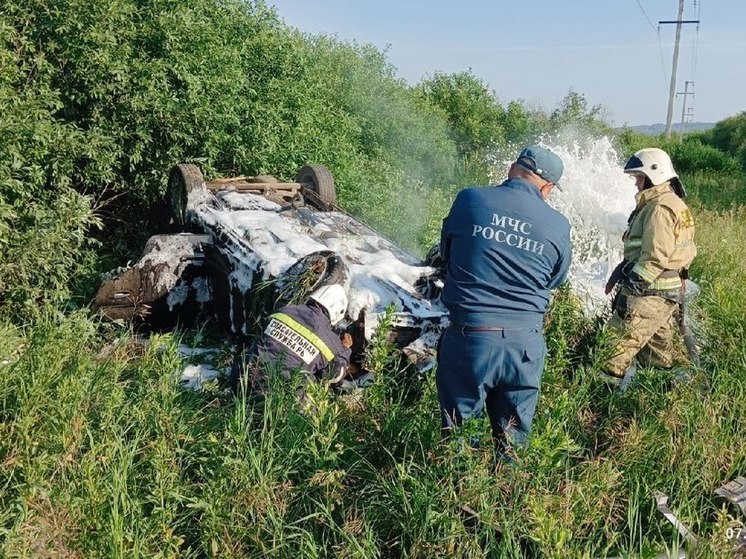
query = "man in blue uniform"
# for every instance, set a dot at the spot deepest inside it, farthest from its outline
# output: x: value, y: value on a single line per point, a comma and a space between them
x: 300, y: 337
x: 505, y: 248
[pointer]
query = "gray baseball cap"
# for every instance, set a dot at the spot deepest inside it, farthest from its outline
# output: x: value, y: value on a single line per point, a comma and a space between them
x: 543, y: 162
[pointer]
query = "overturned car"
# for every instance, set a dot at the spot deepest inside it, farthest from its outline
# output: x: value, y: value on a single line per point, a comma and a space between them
x: 248, y: 245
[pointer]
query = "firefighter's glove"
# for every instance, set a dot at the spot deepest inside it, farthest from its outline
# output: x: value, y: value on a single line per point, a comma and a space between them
x: 621, y: 272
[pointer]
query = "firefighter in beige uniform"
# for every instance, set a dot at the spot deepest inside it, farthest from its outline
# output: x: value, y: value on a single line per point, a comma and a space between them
x: 658, y: 250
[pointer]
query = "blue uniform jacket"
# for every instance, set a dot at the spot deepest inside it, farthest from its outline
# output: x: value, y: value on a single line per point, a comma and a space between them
x: 505, y: 248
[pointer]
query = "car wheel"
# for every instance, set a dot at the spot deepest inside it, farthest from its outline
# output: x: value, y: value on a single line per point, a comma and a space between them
x: 184, y: 178
x: 433, y: 257
x: 309, y: 273
x: 322, y: 193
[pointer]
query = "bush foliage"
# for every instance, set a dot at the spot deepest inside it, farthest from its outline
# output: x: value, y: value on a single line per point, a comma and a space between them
x: 729, y: 136
x: 102, y: 97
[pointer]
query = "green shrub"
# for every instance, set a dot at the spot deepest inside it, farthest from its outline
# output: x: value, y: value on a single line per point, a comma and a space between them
x: 574, y: 113
x: 474, y: 115
x: 729, y: 136
x: 693, y: 156
x: 105, y: 97
x: 44, y: 248
x: 716, y: 191
x: 354, y: 114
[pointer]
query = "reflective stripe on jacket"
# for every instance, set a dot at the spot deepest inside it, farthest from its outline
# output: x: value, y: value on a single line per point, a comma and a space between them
x: 660, y: 238
x: 305, y: 338
x: 300, y: 336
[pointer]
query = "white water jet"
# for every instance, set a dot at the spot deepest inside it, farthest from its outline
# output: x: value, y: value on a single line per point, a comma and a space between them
x: 597, y: 197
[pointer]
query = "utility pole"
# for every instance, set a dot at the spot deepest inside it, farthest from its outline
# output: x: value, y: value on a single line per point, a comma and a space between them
x: 690, y: 115
x: 684, y: 112
x: 672, y: 89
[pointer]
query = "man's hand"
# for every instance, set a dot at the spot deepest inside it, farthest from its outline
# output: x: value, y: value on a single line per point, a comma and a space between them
x: 346, y: 340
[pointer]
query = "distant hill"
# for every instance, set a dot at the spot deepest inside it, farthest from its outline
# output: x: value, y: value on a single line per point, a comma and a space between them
x: 659, y: 127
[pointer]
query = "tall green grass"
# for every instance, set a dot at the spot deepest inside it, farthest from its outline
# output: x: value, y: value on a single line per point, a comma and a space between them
x: 103, y: 454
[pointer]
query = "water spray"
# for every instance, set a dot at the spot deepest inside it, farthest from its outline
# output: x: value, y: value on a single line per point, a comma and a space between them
x: 597, y: 197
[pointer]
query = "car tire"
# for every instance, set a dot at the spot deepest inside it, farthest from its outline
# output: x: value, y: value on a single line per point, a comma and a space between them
x: 184, y: 178
x: 315, y: 270
x: 433, y: 257
x: 322, y: 194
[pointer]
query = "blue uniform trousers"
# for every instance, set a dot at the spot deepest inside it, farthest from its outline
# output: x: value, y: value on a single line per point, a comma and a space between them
x: 497, y: 369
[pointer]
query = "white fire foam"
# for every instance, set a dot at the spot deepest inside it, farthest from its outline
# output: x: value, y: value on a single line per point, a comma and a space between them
x: 259, y: 236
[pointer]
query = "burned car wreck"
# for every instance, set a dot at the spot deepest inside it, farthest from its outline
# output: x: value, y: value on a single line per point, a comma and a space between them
x: 245, y: 246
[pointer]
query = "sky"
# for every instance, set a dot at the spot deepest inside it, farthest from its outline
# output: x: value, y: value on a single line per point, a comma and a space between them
x: 612, y: 51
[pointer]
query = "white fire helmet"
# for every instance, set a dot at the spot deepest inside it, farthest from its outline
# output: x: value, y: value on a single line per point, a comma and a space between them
x: 653, y: 163
x: 334, y: 299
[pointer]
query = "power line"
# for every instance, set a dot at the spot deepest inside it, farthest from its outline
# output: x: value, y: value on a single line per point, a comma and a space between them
x: 660, y: 43
x: 663, y: 62
x: 645, y: 14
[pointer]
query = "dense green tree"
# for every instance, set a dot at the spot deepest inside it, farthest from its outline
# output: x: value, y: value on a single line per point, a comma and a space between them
x: 474, y: 114
x: 479, y: 125
x: 574, y: 111
x: 729, y: 135
x: 100, y: 98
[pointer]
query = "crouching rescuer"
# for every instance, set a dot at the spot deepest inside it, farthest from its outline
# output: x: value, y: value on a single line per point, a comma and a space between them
x: 658, y: 250
x: 300, y: 337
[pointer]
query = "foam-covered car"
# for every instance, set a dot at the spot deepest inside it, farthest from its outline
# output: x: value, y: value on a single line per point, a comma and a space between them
x: 247, y: 245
